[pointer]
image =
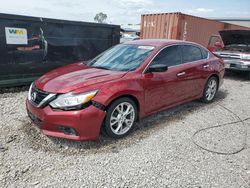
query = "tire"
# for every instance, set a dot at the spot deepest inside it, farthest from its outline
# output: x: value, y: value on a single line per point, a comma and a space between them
x: 119, y: 121
x: 210, y: 90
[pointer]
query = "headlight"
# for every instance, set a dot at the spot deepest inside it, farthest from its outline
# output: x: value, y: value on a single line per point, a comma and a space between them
x: 243, y: 56
x: 70, y: 101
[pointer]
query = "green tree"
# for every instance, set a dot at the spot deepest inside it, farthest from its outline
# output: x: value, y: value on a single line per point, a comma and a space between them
x: 100, y: 17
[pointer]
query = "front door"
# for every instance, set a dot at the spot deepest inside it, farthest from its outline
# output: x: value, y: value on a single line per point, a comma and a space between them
x: 161, y: 87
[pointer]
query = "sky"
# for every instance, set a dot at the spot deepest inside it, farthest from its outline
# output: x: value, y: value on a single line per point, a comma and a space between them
x: 125, y: 11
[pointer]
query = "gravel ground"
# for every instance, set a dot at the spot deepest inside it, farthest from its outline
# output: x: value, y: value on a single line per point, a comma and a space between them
x: 161, y: 151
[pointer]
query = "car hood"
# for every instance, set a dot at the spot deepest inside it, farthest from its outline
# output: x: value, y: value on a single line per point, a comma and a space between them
x: 74, y: 76
x: 235, y: 37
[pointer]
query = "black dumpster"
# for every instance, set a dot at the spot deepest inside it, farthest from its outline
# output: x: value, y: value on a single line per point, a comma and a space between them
x: 31, y: 46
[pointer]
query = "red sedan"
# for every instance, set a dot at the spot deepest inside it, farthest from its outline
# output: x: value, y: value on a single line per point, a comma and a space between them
x: 120, y: 86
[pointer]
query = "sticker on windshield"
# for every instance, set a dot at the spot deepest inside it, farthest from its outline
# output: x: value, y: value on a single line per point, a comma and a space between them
x: 146, y: 47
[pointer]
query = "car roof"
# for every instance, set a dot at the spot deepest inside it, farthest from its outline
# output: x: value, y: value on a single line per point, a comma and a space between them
x: 158, y: 42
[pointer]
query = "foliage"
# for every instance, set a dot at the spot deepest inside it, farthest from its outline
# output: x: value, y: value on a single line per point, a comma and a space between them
x: 100, y: 17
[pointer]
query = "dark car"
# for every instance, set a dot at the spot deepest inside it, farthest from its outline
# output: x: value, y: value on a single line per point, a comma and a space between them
x: 122, y: 85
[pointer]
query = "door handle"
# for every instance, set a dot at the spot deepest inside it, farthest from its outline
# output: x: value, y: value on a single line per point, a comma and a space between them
x: 181, y: 73
x: 205, y: 66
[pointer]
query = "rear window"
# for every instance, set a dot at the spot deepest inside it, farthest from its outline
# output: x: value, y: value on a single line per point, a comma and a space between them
x: 191, y: 53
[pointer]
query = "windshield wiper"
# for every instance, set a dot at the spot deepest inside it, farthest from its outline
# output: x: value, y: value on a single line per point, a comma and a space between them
x: 99, y: 67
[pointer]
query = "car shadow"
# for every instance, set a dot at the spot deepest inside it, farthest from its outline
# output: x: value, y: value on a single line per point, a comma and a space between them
x: 148, y: 126
x: 238, y: 76
x: 13, y: 89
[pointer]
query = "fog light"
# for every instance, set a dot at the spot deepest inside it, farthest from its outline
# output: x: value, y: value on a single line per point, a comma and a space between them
x: 244, y: 66
x: 68, y: 130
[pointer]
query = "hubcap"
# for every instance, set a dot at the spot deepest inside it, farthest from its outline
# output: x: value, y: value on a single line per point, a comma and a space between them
x: 122, y: 118
x: 211, y: 90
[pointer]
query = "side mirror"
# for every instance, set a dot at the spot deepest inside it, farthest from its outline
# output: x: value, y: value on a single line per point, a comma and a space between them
x: 157, y: 68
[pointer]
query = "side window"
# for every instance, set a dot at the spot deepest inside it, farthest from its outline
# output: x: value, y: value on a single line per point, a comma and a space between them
x: 191, y: 53
x: 169, y: 56
x: 204, y: 53
x: 213, y: 40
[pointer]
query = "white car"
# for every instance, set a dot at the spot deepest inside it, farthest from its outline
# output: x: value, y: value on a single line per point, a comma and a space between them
x: 236, y: 50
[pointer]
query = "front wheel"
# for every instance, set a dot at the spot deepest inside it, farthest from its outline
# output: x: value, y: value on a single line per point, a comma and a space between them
x: 121, y: 117
x: 210, y: 90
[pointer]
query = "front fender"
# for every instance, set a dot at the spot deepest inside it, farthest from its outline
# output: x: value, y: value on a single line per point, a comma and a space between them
x: 113, y: 90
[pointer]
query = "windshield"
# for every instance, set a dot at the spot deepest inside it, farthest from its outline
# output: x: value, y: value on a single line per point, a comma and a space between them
x: 123, y: 57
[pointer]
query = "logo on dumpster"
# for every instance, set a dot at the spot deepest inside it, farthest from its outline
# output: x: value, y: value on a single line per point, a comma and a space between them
x: 16, y: 31
x: 16, y: 35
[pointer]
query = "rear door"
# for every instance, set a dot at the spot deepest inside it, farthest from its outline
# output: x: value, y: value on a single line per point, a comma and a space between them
x: 194, y: 72
x: 184, y: 79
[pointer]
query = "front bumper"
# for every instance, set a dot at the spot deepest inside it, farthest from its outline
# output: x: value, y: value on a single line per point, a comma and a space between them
x: 237, y: 64
x: 86, y: 122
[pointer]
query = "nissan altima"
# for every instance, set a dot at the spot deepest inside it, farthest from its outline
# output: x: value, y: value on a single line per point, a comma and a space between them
x: 120, y: 86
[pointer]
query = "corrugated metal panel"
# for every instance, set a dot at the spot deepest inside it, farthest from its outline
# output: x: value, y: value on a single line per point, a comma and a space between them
x: 181, y: 26
x: 159, y: 25
x: 199, y: 30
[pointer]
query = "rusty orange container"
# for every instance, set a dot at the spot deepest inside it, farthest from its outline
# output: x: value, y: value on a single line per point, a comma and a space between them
x: 181, y: 27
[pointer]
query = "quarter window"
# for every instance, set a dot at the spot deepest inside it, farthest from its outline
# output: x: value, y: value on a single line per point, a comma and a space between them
x: 169, y: 56
x: 191, y: 53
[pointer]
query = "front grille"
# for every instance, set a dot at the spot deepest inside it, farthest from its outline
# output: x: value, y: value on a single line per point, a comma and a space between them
x: 229, y: 55
x: 39, y: 95
x: 40, y: 98
x: 230, y: 58
x: 233, y: 56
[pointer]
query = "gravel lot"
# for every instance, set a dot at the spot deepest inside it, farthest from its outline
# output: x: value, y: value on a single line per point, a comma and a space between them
x: 162, y: 150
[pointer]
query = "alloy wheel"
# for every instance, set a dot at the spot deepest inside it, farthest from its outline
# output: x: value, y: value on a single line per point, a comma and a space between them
x: 211, y: 89
x: 122, y: 118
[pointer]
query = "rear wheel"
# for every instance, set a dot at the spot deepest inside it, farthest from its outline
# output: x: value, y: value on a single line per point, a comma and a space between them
x: 121, y: 117
x: 210, y: 90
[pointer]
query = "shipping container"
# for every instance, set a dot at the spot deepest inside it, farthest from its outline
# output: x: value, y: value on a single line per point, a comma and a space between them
x: 31, y: 46
x: 181, y: 27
